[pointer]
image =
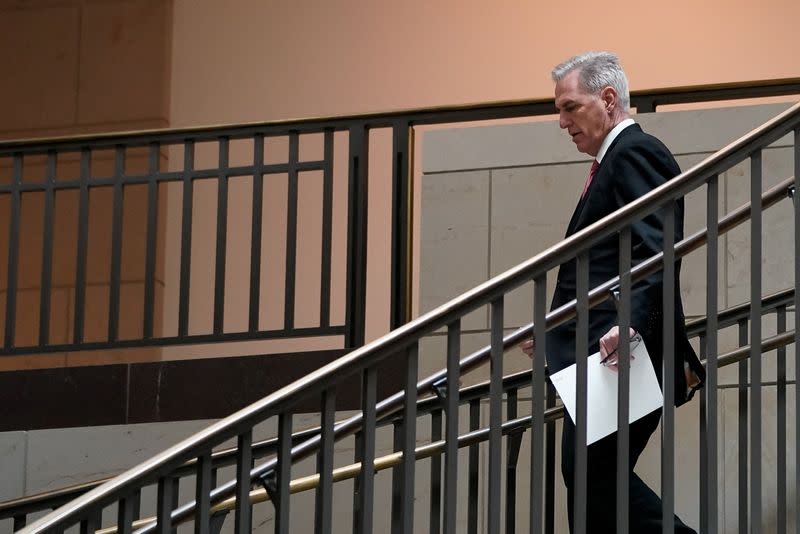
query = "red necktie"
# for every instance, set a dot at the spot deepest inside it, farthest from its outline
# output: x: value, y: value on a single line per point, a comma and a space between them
x: 593, y: 170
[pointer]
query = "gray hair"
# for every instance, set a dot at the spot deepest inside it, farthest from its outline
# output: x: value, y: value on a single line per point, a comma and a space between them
x: 597, y: 70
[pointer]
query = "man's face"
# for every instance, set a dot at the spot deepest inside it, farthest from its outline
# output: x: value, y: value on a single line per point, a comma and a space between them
x: 583, y: 115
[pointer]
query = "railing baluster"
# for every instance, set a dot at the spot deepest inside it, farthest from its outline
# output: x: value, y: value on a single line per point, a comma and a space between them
x: 324, y: 498
x: 125, y: 516
x: 255, y: 232
x: 538, y: 381
x: 796, y: 206
x: 83, y: 244
x: 20, y: 521
x: 327, y: 232
x: 164, y: 505
x: 550, y: 466
x: 284, y: 473
x: 624, y: 385
x: 743, y: 432
x: 474, y: 465
x: 291, y: 233
x: 186, y: 238
x: 355, y: 307
x: 13, y: 252
x: 668, y: 375
x: 244, y: 462
x: 703, y: 440
x: 116, y: 244
x: 712, y: 420
x: 409, y: 440
x: 451, y: 432
x: 152, y: 235
x: 366, y: 480
x: 495, y: 416
x: 513, y: 442
x: 781, y: 416
x: 47, y: 250
x: 202, y: 518
x: 397, y: 486
x: 755, y: 342
x: 435, y: 514
x: 581, y: 352
x: 222, y: 237
x: 401, y: 188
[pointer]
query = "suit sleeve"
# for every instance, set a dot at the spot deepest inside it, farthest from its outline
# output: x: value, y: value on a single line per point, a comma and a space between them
x: 637, y: 170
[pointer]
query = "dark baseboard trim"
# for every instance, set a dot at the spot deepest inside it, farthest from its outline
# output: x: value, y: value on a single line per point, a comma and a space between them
x: 207, y: 388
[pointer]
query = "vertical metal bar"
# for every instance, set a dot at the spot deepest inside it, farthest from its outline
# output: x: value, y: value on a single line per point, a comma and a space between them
x: 397, y: 486
x: 13, y: 252
x: 355, y: 310
x: 703, y: 439
x: 474, y: 474
x: 624, y: 385
x: 222, y: 237
x: 538, y: 381
x: 164, y: 506
x: 83, y: 244
x: 284, y: 473
x: 409, y: 439
x: 796, y: 206
x: 512, y: 455
x: 327, y: 232
x: 19, y: 522
x: 366, y: 480
x: 668, y: 375
x: 324, y: 499
x: 255, y: 232
x: 136, y: 503
x: 87, y: 526
x: 152, y: 233
x: 125, y: 516
x: 451, y: 432
x: 186, y: 238
x: 357, y: 451
x: 202, y: 520
x: 291, y: 232
x: 244, y: 462
x: 581, y: 352
x: 495, y: 415
x: 116, y: 244
x: 550, y: 466
x: 401, y: 216
x: 435, y: 514
x: 781, y: 431
x: 755, y: 342
x: 743, y: 432
x: 712, y: 419
x: 47, y: 250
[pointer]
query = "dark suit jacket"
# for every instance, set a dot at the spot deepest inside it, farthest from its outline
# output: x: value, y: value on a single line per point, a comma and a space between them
x: 634, y: 164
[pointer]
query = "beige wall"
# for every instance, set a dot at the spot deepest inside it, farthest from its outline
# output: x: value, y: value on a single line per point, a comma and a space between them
x: 74, y: 67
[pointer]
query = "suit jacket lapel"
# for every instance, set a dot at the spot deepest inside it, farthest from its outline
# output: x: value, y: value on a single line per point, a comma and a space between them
x: 574, y: 222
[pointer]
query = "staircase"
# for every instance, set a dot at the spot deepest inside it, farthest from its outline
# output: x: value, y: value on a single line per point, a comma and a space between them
x: 145, y: 498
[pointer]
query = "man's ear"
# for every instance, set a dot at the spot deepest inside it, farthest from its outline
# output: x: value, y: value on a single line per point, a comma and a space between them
x: 609, y: 97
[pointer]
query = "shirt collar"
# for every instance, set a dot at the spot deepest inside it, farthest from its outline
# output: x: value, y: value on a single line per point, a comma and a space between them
x: 610, y: 138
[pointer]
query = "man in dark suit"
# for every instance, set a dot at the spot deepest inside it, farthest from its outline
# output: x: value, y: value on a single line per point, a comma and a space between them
x: 592, y: 99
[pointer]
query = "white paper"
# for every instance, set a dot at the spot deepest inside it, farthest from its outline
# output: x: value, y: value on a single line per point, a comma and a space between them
x: 645, y: 393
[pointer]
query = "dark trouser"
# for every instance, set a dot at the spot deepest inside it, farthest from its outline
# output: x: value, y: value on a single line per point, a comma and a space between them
x: 601, y: 508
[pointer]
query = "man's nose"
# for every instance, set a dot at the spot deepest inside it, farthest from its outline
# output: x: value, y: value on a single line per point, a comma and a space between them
x: 562, y: 121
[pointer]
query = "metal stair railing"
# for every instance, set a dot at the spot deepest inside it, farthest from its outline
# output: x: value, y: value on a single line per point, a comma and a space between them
x: 403, y: 343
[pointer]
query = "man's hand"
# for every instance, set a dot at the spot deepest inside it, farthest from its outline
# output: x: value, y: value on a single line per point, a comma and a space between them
x: 608, y: 347
x: 528, y: 346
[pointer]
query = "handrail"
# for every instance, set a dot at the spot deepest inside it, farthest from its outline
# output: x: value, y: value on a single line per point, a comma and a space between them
x: 472, y: 437
x: 225, y: 457
x: 402, y: 337
x: 649, y: 98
